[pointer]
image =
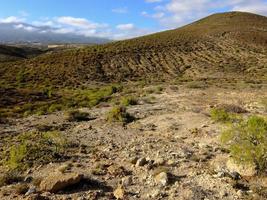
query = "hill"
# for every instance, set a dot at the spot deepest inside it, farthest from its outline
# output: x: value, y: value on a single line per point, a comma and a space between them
x: 13, y: 53
x: 226, y: 45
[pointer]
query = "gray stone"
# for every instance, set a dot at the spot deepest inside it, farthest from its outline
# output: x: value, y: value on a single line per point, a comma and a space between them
x: 141, y: 162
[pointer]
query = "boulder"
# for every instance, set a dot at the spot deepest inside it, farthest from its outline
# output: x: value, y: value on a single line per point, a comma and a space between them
x: 58, y: 181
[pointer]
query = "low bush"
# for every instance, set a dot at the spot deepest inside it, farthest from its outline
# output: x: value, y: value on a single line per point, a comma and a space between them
x: 219, y: 115
x: 129, y: 100
x: 119, y: 114
x: 232, y: 108
x: 247, y: 141
x: 35, y: 148
x: 77, y: 116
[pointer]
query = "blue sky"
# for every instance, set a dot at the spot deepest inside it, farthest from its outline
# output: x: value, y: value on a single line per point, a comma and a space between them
x: 116, y: 19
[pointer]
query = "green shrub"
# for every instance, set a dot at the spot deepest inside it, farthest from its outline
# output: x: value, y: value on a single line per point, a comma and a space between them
x: 17, y: 154
x: 54, y: 108
x: 48, y: 92
x: 126, y: 101
x: 119, y: 114
x: 219, y: 115
x: 76, y: 116
x: 247, y: 141
x: 35, y: 148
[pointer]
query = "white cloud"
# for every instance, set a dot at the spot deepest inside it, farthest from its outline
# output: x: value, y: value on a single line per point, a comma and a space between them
x: 25, y: 27
x: 123, y: 10
x: 259, y: 7
x: 77, y: 26
x: 157, y: 15
x: 12, y: 19
x: 79, y: 22
x: 126, y: 31
x: 43, y: 23
x: 125, y: 27
x: 177, y: 12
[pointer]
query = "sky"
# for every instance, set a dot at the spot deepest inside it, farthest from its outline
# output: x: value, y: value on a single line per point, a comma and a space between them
x: 116, y: 19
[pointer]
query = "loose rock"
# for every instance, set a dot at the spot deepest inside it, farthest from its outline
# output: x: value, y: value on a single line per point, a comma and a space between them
x: 58, y: 181
x: 119, y: 193
x: 162, y: 178
x: 141, y: 162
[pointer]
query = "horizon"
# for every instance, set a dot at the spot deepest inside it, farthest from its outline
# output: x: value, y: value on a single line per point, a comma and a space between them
x: 116, y: 20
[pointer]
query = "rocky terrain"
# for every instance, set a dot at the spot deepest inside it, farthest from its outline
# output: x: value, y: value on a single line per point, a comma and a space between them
x: 179, y: 114
x: 171, y: 150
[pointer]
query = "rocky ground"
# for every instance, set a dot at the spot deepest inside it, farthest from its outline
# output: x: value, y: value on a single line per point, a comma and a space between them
x: 171, y: 151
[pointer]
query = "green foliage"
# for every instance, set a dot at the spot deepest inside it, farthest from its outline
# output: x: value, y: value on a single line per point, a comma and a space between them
x: 247, y: 141
x: 119, y: 114
x: 21, y: 76
x: 17, y: 155
x: 35, y: 147
x: 91, y: 97
x: 220, y: 115
x: 128, y: 100
x: 48, y: 101
x: 54, y: 108
x: 77, y: 115
x: 48, y: 92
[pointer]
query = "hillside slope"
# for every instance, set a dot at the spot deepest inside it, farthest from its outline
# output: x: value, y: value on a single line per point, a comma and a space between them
x: 222, y: 45
x: 12, y: 53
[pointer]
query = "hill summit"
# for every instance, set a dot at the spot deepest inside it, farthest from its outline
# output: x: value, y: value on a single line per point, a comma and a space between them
x: 224, y: 45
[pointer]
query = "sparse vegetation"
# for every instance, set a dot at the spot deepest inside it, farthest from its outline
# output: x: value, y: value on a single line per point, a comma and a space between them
x: 128, y: 100
x: 35, y: 148
x: 247, y: 141
x: 119, y: 114
x: 77, y: 115
x: 220, y: 115
x: 196, y: 85
x: 48, y: 102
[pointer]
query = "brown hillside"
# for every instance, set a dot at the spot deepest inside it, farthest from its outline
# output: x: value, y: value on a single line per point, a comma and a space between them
x: 222, y: 45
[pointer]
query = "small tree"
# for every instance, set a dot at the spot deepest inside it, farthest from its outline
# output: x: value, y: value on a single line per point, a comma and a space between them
x: 247, y: 141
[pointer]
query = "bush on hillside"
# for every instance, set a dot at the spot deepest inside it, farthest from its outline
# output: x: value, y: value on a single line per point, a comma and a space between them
x: 247, y: 141
x: 119, y: 114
